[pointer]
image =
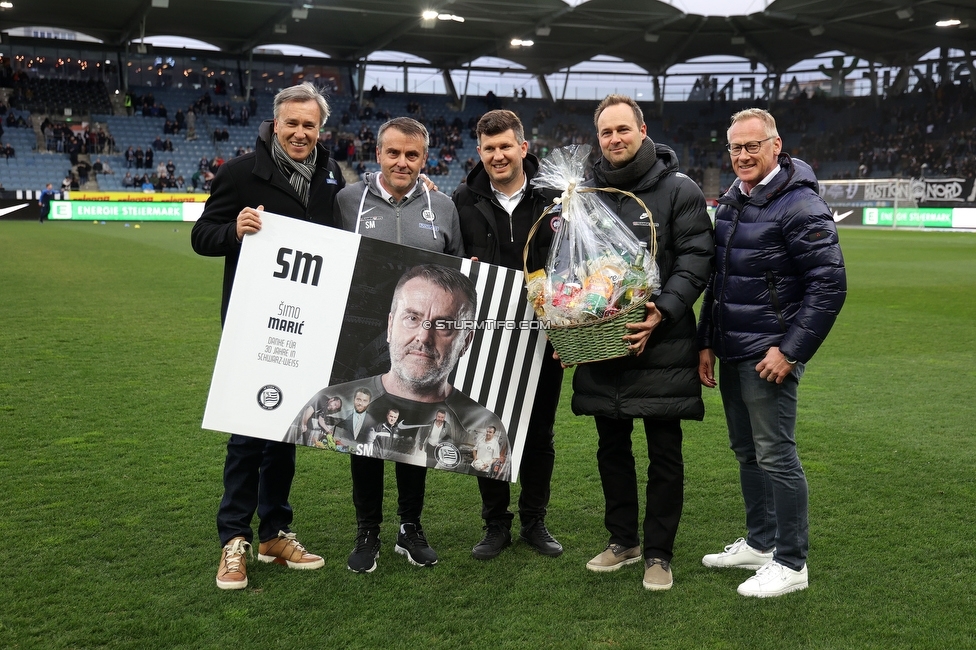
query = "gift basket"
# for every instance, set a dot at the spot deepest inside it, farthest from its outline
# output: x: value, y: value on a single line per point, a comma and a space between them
x: 598, y: 275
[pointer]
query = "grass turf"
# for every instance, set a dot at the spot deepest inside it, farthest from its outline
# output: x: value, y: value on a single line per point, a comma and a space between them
x: 109, y: 488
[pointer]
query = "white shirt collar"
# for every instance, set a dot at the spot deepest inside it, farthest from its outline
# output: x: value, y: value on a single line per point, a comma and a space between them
x: 510, y: 202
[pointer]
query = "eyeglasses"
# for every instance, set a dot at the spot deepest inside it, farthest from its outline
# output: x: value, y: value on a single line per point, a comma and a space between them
x: 751, y: 147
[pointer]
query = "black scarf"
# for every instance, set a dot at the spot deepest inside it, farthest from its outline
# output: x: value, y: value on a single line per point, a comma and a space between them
x: 633, y: 171
x: 298, y: 173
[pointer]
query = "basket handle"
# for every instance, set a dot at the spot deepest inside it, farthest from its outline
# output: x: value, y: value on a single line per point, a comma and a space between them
x: 652, y: 243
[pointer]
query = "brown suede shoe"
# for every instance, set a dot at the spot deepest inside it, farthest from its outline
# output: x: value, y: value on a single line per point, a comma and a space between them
x: 232, y: 573
x: 287, y: 551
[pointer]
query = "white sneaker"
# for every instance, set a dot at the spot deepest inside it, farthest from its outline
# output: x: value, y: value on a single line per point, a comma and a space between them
x: 774, y: 579
x: 738, y: 555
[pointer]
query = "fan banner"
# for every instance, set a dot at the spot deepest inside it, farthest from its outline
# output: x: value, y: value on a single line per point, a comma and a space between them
x: 346, y: 343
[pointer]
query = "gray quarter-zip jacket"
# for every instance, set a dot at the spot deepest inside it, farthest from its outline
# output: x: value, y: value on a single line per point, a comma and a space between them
x: 414, y: 221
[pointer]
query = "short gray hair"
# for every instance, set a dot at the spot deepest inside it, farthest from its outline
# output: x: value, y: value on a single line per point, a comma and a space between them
x: 764, y: 116
x: 303, y: 92
x: 408, y: 127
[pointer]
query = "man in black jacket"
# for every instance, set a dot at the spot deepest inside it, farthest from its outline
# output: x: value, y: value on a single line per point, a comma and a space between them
x: 497, y: 207
x: 291, y: 174
x: 658, y: 382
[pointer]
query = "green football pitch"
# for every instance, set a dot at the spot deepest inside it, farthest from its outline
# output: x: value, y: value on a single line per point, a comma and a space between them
x: 109, y: 487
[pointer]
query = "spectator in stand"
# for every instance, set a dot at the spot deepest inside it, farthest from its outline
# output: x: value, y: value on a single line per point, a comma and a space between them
x: 191, y: 124
x: 127, y: 180
x: 171, y: 168
x: 158, y: 143
x: 140, y: 157
x: 84, y: 169
x: 148, y: 162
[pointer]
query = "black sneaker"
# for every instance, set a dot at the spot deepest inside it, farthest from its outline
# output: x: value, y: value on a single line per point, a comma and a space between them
x: 367, y: 549
x: 536, y: 535
x: 412, y: 543
x: 497, y: 537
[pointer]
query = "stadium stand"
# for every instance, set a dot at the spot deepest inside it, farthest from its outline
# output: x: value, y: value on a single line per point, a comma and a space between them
x: 923, y: 133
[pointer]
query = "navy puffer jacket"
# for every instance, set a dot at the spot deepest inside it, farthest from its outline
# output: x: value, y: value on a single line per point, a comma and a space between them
x: 779, y: 275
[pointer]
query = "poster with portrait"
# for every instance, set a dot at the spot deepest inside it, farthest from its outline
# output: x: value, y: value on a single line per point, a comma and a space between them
x: 350, y: 344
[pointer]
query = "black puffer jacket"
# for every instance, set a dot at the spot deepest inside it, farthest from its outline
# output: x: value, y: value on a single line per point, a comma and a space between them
x: 780, y: 279
x: 662, y: 382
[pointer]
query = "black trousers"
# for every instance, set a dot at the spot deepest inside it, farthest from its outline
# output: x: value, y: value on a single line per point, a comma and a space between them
x: 257, y: 477
x: 367, y: 491
x: 538, y: 456
x: 665, y: 483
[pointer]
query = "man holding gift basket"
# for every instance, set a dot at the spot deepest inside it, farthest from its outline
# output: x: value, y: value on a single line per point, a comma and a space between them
x: 658, y: 379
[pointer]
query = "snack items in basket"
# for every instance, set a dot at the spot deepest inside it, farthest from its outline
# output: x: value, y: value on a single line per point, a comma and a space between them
x: 597, y: 270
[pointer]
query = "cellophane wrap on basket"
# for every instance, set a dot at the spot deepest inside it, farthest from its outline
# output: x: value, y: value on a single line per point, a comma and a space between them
x: 596, y: 265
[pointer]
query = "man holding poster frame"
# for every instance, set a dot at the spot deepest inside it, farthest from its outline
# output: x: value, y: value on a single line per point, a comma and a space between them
x: 395, y: 206
x: 292, y: 174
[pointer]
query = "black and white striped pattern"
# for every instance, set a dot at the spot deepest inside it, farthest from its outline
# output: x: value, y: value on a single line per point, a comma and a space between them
x: 502, y: 364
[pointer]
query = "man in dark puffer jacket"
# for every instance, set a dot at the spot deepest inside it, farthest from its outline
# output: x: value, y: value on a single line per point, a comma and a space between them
x: 659, y: 381
x: 778, y: 287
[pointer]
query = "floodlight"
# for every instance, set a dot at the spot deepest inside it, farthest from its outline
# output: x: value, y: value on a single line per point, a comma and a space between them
x: 905, y: 13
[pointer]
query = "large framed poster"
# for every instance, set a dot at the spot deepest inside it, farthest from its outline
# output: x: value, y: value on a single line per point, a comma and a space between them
x: 341, y: 342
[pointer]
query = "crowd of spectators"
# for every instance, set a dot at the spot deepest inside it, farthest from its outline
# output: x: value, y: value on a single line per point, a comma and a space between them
x: 76, y: 140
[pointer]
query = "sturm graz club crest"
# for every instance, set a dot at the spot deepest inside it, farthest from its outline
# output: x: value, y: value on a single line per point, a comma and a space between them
x: 447, y: 455
x: 269, y: 397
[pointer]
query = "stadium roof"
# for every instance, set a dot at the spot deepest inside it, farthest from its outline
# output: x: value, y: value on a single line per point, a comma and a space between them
x: 651, y: 34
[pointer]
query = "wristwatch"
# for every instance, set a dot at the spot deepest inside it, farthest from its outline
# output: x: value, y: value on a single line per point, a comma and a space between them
x: 792, y: 362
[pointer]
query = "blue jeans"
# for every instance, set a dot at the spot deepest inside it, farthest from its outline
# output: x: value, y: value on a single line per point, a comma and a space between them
x: 761, y: 416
